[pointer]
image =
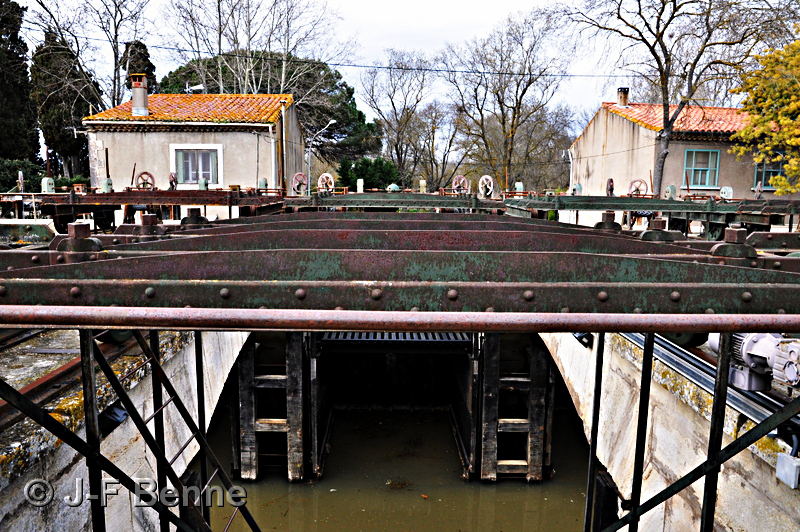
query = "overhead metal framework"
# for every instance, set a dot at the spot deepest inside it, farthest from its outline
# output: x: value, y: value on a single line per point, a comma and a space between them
x: 399, y: 272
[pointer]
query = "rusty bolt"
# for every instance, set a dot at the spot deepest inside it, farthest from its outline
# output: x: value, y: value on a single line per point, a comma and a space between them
x: 452, y: 294
x: 602, y: 296
x: 78, y: 230
x: 149, y: 219
x: 300, y: 293
x: 527, y: 295
x: 376, y: 294
x: 658, y: 224
x: 35, y: 259
x: 149, y: 291
x: 747, y: 297
x: 777, y: 265
x: 75, y: 291
x: 224, y: 293
x: 675, y: 296
x: 735, y: 235
x: 2, y: 290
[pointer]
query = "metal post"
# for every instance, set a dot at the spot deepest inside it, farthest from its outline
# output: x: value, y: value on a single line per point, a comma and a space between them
x: 92, y: 430
x: 715, y: 436
x: 641, y: 427
x: 201, y: 416
x: 598, y: 387
x: 158, y: 432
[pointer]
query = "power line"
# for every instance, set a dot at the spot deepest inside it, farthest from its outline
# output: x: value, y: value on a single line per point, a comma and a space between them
x: 402, y: 68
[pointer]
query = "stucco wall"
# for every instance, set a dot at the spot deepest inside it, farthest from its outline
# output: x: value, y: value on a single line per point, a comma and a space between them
x: 749, y: 495
x: 611, y: 147
x: 245, y: 156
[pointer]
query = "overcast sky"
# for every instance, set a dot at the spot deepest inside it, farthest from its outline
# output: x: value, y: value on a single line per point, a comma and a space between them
x: 422, y: 25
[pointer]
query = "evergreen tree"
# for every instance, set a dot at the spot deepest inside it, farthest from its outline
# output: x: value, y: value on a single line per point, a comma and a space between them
x: 136, y: 60
x: 320, y: 95
x: 376, y: 173
x: 18, y: 136
x: 63, y: 96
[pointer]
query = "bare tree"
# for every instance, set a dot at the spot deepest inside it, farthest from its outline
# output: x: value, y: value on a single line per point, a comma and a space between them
x: 502, y: 82
x: 441, y: 147
x: 256, y: 46
x: 681, y: 46
x: 396, y: 92
x: 120, y: 21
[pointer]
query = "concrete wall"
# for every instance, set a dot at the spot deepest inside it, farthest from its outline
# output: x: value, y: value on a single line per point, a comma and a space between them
x: 749, y: 496
x: 59, y: 464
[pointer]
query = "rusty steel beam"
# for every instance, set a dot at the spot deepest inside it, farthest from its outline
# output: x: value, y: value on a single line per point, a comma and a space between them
x: 482, y: 240
x: 81, y: 317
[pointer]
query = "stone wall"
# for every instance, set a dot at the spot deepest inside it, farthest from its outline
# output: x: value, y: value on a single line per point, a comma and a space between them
x: 40, y: 455
x: 749, y: 496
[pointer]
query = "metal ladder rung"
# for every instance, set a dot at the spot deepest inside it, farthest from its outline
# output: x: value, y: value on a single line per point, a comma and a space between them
x: 208, y: 482
x: 232, y: 517
x: 512, y: 466
x: 160, y: 408
x: 183, y: 447
x: 270, y: 381
x: 125, y: 376
x: 513, y: 425
x: 271, y: 425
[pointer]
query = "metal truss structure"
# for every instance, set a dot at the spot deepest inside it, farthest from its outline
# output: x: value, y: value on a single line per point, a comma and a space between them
x: 397, y: 272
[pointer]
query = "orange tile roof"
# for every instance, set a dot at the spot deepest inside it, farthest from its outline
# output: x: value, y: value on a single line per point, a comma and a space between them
x: 693, y: 118
x: 218, y: 108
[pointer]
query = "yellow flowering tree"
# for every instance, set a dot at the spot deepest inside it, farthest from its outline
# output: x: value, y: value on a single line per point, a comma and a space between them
x: 773, y: 106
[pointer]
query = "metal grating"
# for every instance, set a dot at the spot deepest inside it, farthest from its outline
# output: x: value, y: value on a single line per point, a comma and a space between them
x: 356, y: 336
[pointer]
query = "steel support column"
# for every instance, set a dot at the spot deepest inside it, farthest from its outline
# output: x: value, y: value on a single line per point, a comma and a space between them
x: 715, y: 436
x: 641, y: 427
x: 598, y: 388
x: 201, y: 416
x: 158, y: 419
x: 92, y: 431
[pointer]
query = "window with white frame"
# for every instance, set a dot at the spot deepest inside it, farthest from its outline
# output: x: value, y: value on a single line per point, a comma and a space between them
x: 701, y: 168
x: 191, y: 162
x: 766, y: 171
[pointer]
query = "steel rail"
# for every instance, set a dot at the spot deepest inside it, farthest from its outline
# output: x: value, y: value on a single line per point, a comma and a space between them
x: 755, y: 405
x: 173, y: 318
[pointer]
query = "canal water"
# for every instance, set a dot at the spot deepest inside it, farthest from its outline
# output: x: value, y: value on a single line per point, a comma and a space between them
x: 399, y: 470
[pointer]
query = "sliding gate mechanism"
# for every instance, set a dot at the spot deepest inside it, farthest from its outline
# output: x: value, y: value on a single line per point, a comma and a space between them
x: 401, y: 272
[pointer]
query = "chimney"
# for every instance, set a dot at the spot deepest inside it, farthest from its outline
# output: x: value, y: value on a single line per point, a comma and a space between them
x: 139, y: 90
x: 622, y: 96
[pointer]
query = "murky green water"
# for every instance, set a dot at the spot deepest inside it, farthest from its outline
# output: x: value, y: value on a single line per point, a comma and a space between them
x: 390, y: 470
